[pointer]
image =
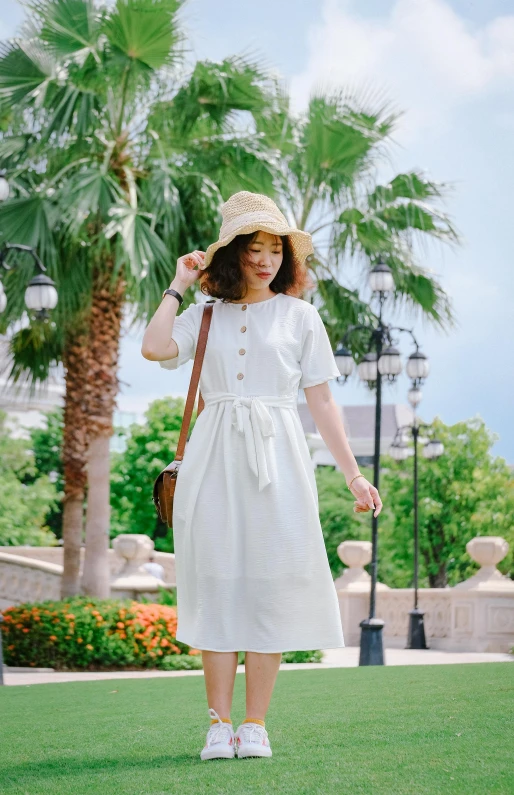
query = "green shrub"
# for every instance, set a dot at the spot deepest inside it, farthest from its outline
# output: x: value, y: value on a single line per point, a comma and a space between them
x: 93, y: 634
x: 291, y: 657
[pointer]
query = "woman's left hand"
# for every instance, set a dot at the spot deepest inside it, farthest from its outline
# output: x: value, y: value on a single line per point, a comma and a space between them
x: 366, y: 495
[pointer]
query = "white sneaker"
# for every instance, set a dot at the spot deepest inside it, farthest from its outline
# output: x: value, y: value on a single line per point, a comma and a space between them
x: 220, y: 739
x: 252, y: 740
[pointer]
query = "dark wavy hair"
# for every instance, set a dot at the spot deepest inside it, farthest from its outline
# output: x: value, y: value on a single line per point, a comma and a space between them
x: 224, y: 278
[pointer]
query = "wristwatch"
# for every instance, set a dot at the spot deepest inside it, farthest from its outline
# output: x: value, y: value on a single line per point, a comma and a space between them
x: 171, y: 291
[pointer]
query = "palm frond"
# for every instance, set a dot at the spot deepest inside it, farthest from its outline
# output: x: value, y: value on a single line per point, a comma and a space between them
x: 69, y: 27
x: 141, y: 245
x: 144, y: 31
x: 91, y: 193
x: 217, y: 90
x: 26, y: 70
x: 30, y: 221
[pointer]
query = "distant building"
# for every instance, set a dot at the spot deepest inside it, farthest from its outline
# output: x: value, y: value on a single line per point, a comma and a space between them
x: 359, y: 425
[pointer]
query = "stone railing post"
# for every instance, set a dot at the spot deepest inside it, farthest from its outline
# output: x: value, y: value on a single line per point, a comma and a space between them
x: 133, y: 581
x: 487, y: 551
x: 483, y: 605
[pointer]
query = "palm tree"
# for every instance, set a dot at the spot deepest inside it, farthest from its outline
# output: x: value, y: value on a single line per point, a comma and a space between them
x: 121, y: 167
x: 328, y: 158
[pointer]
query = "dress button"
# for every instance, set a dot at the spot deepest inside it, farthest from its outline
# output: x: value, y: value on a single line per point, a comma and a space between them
x: 243, y: 307
x: 240, y: 375
x: 241, y: 351
x: 243, y: 328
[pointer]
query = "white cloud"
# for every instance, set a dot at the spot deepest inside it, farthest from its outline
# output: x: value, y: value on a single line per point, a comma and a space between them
x: 423, y: 57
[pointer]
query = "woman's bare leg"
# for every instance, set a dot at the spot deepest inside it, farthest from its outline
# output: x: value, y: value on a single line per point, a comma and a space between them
x: 261, y: 672
x: 219, y: 674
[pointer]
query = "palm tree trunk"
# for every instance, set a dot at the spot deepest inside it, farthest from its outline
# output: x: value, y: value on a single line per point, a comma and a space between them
x: 102, y: 387
x: 74, y: 459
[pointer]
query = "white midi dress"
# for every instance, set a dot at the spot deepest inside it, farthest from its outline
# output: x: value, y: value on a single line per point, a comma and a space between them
x: 252, y: 571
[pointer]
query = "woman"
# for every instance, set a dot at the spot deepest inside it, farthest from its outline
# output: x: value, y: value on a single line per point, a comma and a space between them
x: 251, y: 565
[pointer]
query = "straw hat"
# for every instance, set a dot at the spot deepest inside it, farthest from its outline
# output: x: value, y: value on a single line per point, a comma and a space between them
x: 247, y: 212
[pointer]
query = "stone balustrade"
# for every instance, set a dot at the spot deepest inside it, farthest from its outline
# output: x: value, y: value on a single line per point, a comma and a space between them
x: 116, y: 562
x: 33, y: 574
x: 476, y: 615
x: 25, y: 580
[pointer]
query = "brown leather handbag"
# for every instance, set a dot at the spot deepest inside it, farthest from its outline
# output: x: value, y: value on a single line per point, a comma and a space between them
x: 165, y: 483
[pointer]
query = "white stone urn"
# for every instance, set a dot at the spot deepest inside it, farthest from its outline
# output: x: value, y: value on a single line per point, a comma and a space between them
x: 133, y: 580
x: 135, y: 549
x: 356, y: 555
x: 487, y: 551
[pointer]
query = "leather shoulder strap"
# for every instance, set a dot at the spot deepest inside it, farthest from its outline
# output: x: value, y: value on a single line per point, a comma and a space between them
x: 195, y: 377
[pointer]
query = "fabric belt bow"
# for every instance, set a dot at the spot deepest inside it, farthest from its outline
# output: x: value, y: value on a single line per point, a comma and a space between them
x: 250, y: 417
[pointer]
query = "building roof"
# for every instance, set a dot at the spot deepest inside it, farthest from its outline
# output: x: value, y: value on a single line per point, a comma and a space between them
x: 359, y: 424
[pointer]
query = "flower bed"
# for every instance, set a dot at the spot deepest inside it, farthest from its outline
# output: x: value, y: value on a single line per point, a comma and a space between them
x: 81, y: 633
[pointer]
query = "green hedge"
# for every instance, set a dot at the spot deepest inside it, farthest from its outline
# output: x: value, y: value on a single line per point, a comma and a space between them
x: 92, y: 634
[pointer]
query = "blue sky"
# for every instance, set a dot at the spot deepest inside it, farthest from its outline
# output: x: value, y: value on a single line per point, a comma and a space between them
x: 450, y: 67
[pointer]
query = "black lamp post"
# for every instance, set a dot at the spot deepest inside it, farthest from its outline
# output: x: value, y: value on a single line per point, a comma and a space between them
x: 432, y: 449
x: 40, y: 295
x: 382, y: 360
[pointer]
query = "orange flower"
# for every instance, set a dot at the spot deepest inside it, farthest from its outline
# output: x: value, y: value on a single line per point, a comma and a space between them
x: 26, y: 629
x: 69, y: 616
x: 53, y: 637
x: 79, y: 640
x: 88, y: 646
x: 120, y: 625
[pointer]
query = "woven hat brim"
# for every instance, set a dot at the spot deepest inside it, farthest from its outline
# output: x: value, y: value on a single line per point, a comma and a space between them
x: 301, y: 242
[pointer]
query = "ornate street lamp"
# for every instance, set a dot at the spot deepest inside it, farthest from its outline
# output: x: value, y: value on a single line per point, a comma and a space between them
x: 432, y: 449
x: 41, y: 294
x: 381, y: 361
x: 344, y: 362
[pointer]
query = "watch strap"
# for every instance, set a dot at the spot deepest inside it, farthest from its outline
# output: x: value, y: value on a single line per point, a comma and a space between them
x: 171, y: 291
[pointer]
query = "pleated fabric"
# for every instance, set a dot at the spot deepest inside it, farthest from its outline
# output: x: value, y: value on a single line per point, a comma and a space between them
x: 251, y: 565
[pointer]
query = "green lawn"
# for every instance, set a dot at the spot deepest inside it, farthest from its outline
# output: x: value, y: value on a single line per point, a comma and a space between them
x: 438, y: 729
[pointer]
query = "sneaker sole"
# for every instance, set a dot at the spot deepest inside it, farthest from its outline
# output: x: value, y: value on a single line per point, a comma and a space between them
x: 217, y: 753
x: 244, y: 752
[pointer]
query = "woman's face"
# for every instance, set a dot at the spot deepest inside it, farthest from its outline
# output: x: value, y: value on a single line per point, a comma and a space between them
x: 263, y: 256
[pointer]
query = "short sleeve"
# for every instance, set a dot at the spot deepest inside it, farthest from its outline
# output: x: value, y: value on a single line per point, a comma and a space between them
x: 317, y: 361
x: 185, y: 333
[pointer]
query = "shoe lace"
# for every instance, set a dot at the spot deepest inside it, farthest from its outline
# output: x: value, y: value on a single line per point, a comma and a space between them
x: 218, y: 731
x: 250, y: 731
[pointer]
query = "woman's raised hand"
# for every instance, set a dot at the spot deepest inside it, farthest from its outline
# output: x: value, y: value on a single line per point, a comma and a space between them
x: 189, y: 267
x: 366, y: 495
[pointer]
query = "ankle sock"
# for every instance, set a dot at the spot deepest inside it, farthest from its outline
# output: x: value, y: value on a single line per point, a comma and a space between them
x: 225, y: 720
x: 254, y: 720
